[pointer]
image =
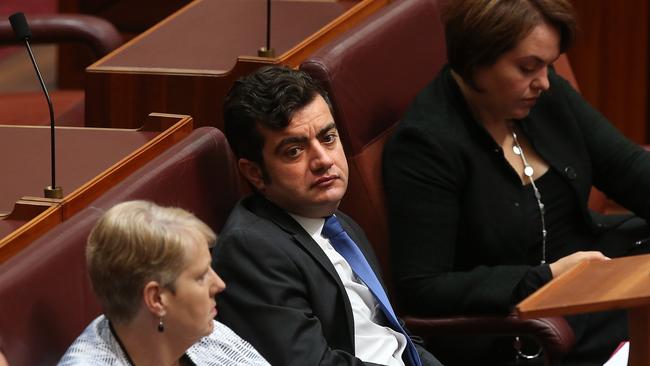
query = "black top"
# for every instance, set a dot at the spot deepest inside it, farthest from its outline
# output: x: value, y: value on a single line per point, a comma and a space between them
x: 566, y: 230
x: 459, y: 226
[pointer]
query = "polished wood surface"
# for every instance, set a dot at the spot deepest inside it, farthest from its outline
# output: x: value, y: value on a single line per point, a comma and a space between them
x: 186, y: 63
x: 214, y: 33
x: 81, y: 154
x: 610, y: 61
x: 593, y: 286
x: 21, y: 237
x: 92, y: 161
x: 129, y: 17
x: 621, y: 283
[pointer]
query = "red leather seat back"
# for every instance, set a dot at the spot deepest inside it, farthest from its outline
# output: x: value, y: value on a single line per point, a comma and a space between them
x: 372, y: 73
x: 30, y: 108
x: 45, y: 294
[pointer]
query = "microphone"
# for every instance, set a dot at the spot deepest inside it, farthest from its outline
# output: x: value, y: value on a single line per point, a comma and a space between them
x: 22, y: 32
x: 267, y: 51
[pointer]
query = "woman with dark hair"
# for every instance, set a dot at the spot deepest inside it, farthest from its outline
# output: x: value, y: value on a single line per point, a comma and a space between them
x: 489, y: 173
x: 150, y: 268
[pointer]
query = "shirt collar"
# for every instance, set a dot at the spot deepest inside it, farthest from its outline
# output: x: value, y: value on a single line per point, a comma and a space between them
x: 313, y: 226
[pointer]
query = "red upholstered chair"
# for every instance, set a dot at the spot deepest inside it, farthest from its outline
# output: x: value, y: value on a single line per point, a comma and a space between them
x: 45, y: 294
x: 372, y: 73
x: 30, y: 108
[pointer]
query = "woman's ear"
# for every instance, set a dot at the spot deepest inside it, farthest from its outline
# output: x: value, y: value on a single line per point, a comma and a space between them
x: 154, y: 297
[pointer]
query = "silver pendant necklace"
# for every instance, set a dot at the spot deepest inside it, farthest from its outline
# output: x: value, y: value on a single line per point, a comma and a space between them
x: 529, y: 172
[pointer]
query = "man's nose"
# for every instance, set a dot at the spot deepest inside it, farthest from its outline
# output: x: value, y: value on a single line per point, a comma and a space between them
x: 321, y: 158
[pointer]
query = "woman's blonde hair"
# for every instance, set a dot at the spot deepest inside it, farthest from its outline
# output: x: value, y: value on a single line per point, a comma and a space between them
x: 136, y: 242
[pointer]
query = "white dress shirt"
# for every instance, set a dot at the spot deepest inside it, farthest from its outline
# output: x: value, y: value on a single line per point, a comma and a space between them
x: 373, y: 342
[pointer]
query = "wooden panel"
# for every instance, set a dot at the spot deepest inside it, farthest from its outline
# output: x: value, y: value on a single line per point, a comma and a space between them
x: 84, y: 183
x: 91, y: 190
x: 610, y: 61
x: 81, y: 155
x: 621, y: 283
x: 17, y: 240
x: 157, y: 71
x: 639, y: 330
x: 592, y: 286
x: 128, y: 16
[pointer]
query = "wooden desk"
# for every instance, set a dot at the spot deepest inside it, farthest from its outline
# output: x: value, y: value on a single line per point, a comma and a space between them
x: 89, y: 162
x: 621, y: 283
x: 186, y: 63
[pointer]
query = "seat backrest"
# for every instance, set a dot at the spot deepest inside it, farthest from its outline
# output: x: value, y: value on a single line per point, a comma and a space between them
x: 372, y: 73
x: 45, y: 295
x: 99, y: 38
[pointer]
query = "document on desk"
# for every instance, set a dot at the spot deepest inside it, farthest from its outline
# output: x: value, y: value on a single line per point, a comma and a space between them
x: 619, y: 358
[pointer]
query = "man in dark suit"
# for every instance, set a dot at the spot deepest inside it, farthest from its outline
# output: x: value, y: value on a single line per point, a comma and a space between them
x: 303, y: 286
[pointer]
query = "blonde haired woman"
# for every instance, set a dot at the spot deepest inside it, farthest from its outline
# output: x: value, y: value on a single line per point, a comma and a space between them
x: 150, y: 268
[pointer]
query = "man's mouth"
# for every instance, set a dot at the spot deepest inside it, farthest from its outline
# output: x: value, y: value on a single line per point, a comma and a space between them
x: 323, y: 181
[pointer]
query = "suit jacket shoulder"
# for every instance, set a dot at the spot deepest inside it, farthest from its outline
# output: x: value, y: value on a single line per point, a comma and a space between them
x: 283, y: 294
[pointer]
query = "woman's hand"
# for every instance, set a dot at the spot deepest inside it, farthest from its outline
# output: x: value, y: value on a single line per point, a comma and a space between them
x: 565, y: 263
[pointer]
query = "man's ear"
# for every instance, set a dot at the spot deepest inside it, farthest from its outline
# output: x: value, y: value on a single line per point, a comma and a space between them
x: 153, y: 298
x: 253, y: 173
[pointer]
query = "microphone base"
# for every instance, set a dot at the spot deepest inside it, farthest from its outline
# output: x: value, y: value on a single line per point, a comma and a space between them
x: 263, y: 52
x: 56, y: 192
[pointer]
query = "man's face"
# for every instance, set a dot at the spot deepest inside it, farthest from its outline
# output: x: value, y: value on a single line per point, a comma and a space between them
x: 306, y: 169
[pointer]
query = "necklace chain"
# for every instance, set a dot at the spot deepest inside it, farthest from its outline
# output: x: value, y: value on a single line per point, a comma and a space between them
x: 528, y: 172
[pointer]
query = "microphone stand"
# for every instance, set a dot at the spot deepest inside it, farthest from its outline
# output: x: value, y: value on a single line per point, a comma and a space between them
x: 267, y: 51
x: 21, y: 28
x: 50, y: 191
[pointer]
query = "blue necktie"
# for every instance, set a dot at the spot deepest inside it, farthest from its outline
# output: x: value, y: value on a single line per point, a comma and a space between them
x: 349, y: 250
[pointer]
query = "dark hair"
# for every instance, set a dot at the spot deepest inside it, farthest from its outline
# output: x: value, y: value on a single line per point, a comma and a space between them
x: 268, y: 97
x: 478, y: 32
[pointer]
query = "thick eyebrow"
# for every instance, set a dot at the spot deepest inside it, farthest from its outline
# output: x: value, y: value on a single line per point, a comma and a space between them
x: 288, y: 141
x: 323, y: 131
x: 303, y: 139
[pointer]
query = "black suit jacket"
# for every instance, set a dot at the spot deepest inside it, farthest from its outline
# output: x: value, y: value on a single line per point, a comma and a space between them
x: 283, y: 294
x: 458, y: 224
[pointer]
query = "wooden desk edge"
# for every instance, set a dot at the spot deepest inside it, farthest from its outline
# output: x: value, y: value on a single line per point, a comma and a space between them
x: 293, y: 57
x: 336, y: 27
x: 537, y: 304
x: 20, y: 238
x: 81, y: 197
x: 528, y: 309
x: 142, y: 35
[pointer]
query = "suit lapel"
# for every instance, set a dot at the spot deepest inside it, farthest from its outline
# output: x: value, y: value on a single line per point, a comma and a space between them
x: 266, y: 209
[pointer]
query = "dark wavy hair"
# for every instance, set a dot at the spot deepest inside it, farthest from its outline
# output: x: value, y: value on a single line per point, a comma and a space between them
x: 267, y: 98
x: 478, y: 32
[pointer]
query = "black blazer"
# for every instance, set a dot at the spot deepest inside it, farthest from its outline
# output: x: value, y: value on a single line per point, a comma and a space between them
x: 458, y: 230
x: 283, y: 294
